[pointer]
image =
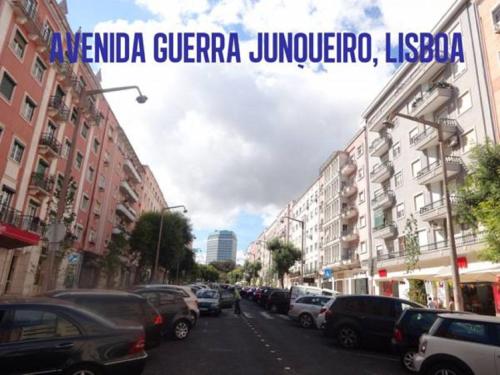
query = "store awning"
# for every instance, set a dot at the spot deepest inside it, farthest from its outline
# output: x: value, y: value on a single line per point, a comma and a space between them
x: 12, y: 237
x: 475, y: 272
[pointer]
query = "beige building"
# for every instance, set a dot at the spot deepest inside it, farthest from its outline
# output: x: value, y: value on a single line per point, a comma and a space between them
x: 152, y: 198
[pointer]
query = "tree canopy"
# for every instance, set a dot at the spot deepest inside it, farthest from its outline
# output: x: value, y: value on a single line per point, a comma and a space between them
x: 284, y: 254
x: 479, y: 197
x: 251, y: 270
x: 207, y: 272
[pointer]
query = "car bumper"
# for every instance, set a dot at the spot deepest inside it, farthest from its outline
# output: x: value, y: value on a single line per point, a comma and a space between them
x: 418, y: 360
x: 209, y: 309
x: 129, y: 366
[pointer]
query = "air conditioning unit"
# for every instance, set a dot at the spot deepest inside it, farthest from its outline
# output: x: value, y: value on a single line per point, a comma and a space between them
x: 497, y: 27
x: 97, y: 211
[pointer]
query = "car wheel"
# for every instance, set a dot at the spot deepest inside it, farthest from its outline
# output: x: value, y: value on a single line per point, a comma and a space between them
x: 194, y: 318
x: 446, y: 368
x: 306, y: 321
x: 181, y: 330
x: 83, y: 370
x: 347, y: 337
x: 407, y: 360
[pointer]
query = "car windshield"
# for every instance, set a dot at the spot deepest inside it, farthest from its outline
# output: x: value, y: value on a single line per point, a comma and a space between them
x: 207, y: 294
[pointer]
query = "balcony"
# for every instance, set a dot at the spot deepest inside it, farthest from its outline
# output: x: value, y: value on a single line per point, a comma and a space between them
x: 27, y: 15
x: 382, y: 172
x: 78, y: 89
x: 348, y: 190
x: 385, y: 231
x: 434, y: 172
x: 127, y: 189
x: 349, y: 212
x: 383, y: 200
x: 348, y: 168
x: 380, y: 146
x: 64, y: 74
x: 49, y: 145
x: 40, y: 185
x: 126, y: 212
x: 436, y: 210
x: 18, y: 230
x: 429, y: 137
x: 437, y: 95
x: 129, y: 167
x: 350, y: 235
x: 57, y: 109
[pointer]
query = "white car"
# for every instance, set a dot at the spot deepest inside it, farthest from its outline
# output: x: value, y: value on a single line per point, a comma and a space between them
x: 306, y: 309
x: 189, y: 298
x: 320, y: 319
x: 460, y: 344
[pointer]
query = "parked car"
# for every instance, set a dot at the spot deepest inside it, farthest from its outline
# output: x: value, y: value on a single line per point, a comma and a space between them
x: 460, y: 344
x: 186, y: 293
x: 357, y: 319
x: 407, y: 331
x: 44, y: 335
x: 209, y: 301
x: 306, y: 309
x: 257, y: 294
x: 278, y: 301
x: 264, y: 296
x: 321, y: 318
x: 297, y: 291
x: 250, y: 294
x: 177, y: 319
x: 119, y: 307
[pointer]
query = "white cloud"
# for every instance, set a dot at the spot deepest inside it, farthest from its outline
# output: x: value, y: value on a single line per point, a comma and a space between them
x: 227, y: 138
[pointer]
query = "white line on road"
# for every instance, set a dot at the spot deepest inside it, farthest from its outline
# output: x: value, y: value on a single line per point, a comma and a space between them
x: 284, y: 317
x: 248, y: 315
x: 266, y: 315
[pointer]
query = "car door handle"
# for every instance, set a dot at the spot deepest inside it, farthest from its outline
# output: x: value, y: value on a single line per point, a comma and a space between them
x: 65, y: 345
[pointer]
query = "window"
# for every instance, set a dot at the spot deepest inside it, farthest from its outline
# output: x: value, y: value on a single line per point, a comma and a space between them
x: 78, y: 232
x: 464, y: 103
x: 362, y: 221
x: 78, y: 160
x: 361, y: 172
x: 400, y: 210
x: 359, y: 151
x: 90, y: 174
x: 419, y: 202
x: 66, y: 148
x: 152, y: 297
x: 19, y: 44
x: 37, y: 324
x: 39, y: 70
x: 28, y: 109
x: 85, y: 203
x: 362, y: 247
x: 17, y: 151
x: 51, y: 129
x: 85, y: 130
x: 92, y: 236
x: 96, y: 145
x: 396, y: 150
x: 74, y: 115
x: 495, y: 15
x: 468, y: 140
x: 415, y: 168
x: 47, y: 32
x: 6, y: 197
x: 398, y: 179
x: 413, y: 133
x: 465, y: 331
x: 7, y: 86
x: 361, y: 196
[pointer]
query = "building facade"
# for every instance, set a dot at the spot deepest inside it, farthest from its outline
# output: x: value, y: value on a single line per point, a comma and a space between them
x: 44, y: 114
x: 221, y: 245
x: 406, y: 175
x: 152, y: 199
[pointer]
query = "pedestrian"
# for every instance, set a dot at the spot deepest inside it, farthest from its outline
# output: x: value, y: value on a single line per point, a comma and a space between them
x: 431, y: 304
x: 451, y: 304
x: 237, y: 298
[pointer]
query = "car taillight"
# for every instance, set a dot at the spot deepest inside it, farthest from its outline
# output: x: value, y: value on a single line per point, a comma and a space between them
x: 158, y: 321
x: 423, y: 346
x: 328, y: 314
x: 138, y: 346
x: 397, y: 335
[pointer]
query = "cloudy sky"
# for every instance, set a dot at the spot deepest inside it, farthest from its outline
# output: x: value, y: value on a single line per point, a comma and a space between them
x: 235, y: 142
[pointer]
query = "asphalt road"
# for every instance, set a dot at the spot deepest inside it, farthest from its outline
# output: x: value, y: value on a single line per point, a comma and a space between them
x: 258, y: 342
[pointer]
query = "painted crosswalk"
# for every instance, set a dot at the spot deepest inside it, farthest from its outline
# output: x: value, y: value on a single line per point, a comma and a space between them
x: 248, y: 315
x: 266, y: 315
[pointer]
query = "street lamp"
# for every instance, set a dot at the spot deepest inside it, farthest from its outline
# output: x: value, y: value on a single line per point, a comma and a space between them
x: 302, y: 226
x: 457, y: 293
x: 158, y: 243
x: 58, y: 228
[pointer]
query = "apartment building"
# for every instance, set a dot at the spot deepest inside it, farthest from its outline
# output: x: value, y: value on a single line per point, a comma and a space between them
x: 346, y: 219
x: 489, y: 25
x: 152, y: 199
x: 43, y: 115
x: 307, y: 209
x: 406, y: 177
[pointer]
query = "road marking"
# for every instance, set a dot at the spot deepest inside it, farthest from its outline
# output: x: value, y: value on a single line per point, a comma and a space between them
x: 248, y: 315
x: 266, y: 315
x: 284, y: 317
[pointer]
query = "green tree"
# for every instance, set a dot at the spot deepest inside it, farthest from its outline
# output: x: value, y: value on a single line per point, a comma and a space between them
x: 207, y: 273
x: 111, y: 261
x: 251, y: 270
x: 235, y: 275
x: 479, y: 197
x: 417, y: 292
x: 176, y: 236
x: 284, y: 255
x: 224, y: 266
x: 411, y: 246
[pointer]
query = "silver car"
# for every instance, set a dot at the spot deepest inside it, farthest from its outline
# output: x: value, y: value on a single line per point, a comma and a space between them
x: 306, y: 309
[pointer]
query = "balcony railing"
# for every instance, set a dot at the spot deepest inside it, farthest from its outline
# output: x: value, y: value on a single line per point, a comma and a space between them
x: 130, y: 168
x: 429, y: 136
x: 17, y: 219
x: 380, y: 145
x: 433, y: 172
x: 41, y: 182
x: 349, y: 212
x: 57, y: 109
x: 350, y: 235
x: 49, y: 141
x: 384, y: 231
x: 348, y: 168
x: 129, y: 191
x: 27, y: 14
x: 437, y: 94
x: 437, y: 209
x: 382, y: 172
x: 126, y: 211
x: 383, y: 199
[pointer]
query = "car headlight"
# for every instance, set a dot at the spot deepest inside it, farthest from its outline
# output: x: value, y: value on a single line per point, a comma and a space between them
x: 423, y: 346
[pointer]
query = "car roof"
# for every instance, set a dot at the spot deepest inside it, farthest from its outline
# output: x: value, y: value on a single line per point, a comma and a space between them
x: 471, y: 317
x: 35, y: 301
x: 367, y: 296
x: 93, y: 292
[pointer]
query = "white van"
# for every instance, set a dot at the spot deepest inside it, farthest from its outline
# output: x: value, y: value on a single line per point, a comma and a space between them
x: 297, y: 291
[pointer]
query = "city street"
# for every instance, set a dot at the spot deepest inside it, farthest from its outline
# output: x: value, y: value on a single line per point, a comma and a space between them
x: 261, y: 343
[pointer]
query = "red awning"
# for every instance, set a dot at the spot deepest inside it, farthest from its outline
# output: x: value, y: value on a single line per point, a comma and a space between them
x: 12, y: 237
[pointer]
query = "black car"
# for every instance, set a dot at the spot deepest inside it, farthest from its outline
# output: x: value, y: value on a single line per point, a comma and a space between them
x: 44, y: 335
x: 359, y: 319
x: 278, y: 301
x: 407, y: 331
x: 177, y: 319
x: 264, y: 296
x: 118, y: 306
